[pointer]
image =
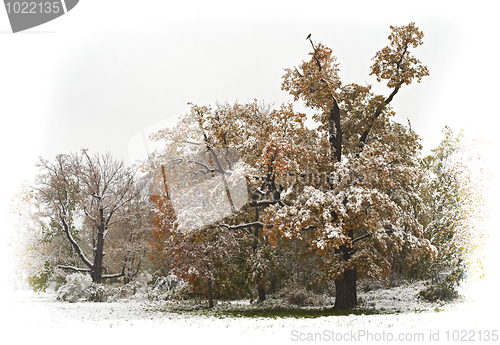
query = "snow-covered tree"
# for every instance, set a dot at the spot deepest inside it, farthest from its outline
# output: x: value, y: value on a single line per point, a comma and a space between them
x: 367, y: 213
x: 163, y: 221
x: 202, y: 257
x: 88, y: 207
x: 453, y: 212
x: 347, y: 188
x: 213, y: 157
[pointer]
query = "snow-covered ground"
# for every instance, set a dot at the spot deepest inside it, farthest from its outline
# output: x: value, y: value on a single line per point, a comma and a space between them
x: 32, y: 318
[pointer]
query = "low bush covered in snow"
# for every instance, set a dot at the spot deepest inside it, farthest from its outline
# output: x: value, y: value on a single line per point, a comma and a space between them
x: 301, y: 297
x: 76, y: 289
x: 80, y: 288
x: 136, y: 289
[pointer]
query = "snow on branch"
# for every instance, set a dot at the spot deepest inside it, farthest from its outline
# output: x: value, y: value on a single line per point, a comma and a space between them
x: 75, y: 244
x: 244, y: 226
x: 116, y: 275
x: 76, y: 269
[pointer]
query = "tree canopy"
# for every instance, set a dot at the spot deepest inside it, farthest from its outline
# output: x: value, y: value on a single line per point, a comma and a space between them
x: 348, y: 188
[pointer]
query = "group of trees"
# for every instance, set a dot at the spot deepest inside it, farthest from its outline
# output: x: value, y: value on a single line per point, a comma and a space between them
x: 245, y: 199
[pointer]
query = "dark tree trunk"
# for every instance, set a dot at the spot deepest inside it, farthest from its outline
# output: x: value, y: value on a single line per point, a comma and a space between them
x: 262, y: 293
x: 345, y: 291
x: 335, y: 130
x: 210, y: 294
x: 260, y: 289
x: 345, y: 288
x: 96, y: 272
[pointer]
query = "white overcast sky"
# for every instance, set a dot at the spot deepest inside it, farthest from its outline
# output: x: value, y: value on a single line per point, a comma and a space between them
x: 108, y: 71
x: 100, y: 75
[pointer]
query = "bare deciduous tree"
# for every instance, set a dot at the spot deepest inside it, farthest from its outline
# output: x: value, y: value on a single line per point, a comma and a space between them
x: 88, y: 200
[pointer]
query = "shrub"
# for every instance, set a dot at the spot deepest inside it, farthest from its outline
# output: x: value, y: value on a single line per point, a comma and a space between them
x: 97, y: 293
x: 76, y: 288
x: 41, y: 279
x: 394, y: 279
x: 137, y: 288
x: 366, y: 284
x: 168, y: 283
x: 80, y: 288
x: 298, y: 297
x: 184, y: 291
x: 301, y: 297
x: 439, y: 292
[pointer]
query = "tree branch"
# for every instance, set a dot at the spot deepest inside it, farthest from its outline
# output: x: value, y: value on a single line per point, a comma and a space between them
x: 88, y: 215
x: 244, y: 226
x: 364, y: 135
x: 309, y: 227
x: 130, y: 198
x: 76, y: 269
x: 369, y: 235
x: 388, y: 100
x: 216, y: 158
x: 75, y: 244
x: 315, y: 57
x: 116, y: 275
x: 208, y: 169
x: 362, y: 237
x: 335, y: 138
x: 123, y: 218
x: 300, y: 75
x: 265, y: 203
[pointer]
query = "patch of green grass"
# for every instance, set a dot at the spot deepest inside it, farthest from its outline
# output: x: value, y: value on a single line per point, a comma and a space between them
x: 283, y: 312
x: 268, y: 312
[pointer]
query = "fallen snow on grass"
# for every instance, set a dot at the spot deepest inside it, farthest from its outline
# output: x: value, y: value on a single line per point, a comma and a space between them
x: 402, y: 298
x: 31, y: 317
